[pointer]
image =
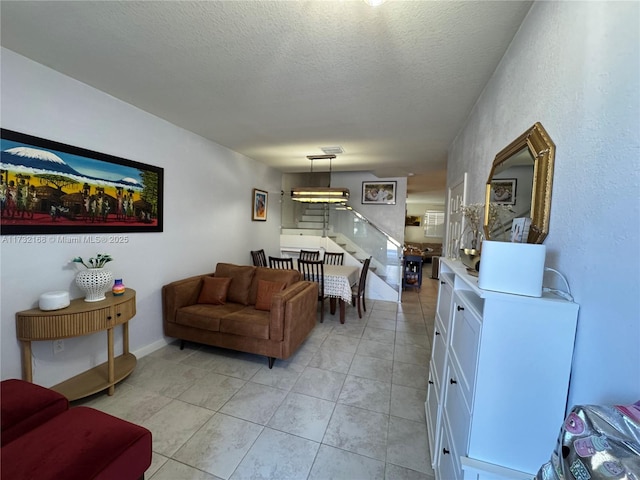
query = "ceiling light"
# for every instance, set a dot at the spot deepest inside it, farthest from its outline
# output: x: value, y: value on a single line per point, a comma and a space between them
x: 320, y: 194
x: 374, y: 3
x: 337, y: 150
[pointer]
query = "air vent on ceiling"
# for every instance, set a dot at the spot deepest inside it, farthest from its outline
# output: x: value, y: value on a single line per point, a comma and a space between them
x: 332, y: 150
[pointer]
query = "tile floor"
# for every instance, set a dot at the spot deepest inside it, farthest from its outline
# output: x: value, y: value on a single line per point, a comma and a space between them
x: 348, y: 405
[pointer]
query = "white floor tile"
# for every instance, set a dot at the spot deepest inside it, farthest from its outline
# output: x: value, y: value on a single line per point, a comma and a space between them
x: 358, y: 431
x: 303, y: 416
x: 255, y: 403
x: 349, y: 404
x: 277, y: 455
x: 174, y: 424
x: 219, y: 447
x: 335, y: 464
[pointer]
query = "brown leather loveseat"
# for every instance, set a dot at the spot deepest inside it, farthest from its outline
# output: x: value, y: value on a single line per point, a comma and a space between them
x: 241, y: 307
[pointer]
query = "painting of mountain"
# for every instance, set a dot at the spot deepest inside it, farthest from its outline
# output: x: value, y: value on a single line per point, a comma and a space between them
x: 50, y: 187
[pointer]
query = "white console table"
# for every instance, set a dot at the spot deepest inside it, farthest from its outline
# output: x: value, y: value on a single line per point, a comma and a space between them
x: 498, y: 379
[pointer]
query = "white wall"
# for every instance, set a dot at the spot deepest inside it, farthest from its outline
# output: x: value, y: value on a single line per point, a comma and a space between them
x: 575, y: 67
x: 207, y: 211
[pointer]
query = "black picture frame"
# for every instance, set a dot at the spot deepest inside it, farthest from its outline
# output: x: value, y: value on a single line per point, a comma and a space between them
x: 260, y: 204
x: 379, y: 193
x: 48, y: 187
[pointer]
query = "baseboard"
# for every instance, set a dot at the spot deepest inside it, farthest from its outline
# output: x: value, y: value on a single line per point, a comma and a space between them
x: 152, y: 347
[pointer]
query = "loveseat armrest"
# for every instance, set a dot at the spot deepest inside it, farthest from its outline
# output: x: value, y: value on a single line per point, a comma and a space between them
x: 180, y: 293
x: 298, y: 301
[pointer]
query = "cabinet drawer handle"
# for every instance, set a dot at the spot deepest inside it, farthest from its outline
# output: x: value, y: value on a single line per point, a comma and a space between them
x: 430, y: 382
x: 460, y: 308
x: 445, y: 451
x: 452, y: 381
x: 437, y: 332
x: 118, y: 314
x: 109, y: 317
x: 442, y: 283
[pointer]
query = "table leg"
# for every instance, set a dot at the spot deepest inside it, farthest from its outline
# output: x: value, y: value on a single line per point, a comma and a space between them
x: 332, y: 305
x: 110, y: 365
x: 27, y: 367
x: 342, y: 310
x: 125, y: 338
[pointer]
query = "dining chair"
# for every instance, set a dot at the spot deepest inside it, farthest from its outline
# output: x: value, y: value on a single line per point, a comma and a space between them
x: 284, y: 263
x: 313, y: 271
x: 333, y: 258
x: 357, y: 292
x: 259, y: 258
x: 309, y: 255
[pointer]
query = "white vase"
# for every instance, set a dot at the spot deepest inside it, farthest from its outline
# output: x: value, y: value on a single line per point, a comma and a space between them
x: 94, y: 282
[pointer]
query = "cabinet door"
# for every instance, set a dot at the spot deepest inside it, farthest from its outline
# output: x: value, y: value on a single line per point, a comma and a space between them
x: 123, y: 312
x: 448, y: 468
x: 433, y: 412
x: 465, y: 342
x: 437, y: 373
x: 443, y: 309
x: 439, y: 352
x: 458, y: 412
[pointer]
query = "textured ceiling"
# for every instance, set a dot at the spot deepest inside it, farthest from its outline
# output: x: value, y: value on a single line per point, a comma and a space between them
x: 277, y: 80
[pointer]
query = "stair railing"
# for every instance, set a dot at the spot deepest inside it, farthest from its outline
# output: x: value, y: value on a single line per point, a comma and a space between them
x: 354, y: 231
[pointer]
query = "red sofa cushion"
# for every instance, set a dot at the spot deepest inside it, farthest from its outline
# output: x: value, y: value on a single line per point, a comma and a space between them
x: 24, y: 406
x: 79, y: 444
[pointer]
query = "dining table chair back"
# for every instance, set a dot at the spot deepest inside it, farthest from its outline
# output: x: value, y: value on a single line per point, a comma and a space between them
x: 333, y: 258
x: 259, y: 258
x: 357, y: 293
x: 309, y: 255
x: 313, y: 271
x: 285, y: 263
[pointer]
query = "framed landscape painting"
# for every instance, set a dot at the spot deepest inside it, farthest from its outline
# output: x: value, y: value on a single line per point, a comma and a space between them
x: 53, y: 188
x: 379, y: 193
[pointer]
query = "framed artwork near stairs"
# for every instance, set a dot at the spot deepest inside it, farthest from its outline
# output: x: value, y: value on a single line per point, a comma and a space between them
x: 379, y: 193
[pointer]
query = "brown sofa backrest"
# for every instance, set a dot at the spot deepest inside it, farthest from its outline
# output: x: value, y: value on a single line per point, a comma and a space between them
x: 241, y: 277
x: 244, y: 280
x: 288, y: 277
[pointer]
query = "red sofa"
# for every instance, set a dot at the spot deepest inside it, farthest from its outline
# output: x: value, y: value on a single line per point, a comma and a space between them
x: 44, y: 439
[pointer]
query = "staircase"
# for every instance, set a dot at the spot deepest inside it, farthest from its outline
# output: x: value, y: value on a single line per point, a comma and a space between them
x: 335, y: 229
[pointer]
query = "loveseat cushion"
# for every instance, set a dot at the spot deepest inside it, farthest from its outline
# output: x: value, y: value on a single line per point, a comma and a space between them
x: 266, y: 289
x: 206, y: 317
x: 247, y: 322
x: 241, y: 277
x: 25, y: 406
x: 214, y: 290
x: 288, y: 277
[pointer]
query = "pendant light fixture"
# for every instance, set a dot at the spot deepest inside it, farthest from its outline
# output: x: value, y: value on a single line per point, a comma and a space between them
x: 320, y: 194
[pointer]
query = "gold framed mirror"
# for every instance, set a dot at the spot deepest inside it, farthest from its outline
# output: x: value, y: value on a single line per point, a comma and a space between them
x: 518, y: 191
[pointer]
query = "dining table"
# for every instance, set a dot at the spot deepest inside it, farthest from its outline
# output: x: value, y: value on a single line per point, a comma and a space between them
x: 338, y: 280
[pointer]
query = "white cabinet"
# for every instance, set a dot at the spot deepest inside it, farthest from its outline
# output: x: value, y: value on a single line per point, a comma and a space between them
x: 498, y: 379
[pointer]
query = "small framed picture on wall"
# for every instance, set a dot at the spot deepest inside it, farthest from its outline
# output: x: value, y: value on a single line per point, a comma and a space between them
x: 379, y: 193
x: 260, y: 198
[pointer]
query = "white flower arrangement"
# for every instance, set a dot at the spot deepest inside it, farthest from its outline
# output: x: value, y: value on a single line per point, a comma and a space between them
x: 99, y: 261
